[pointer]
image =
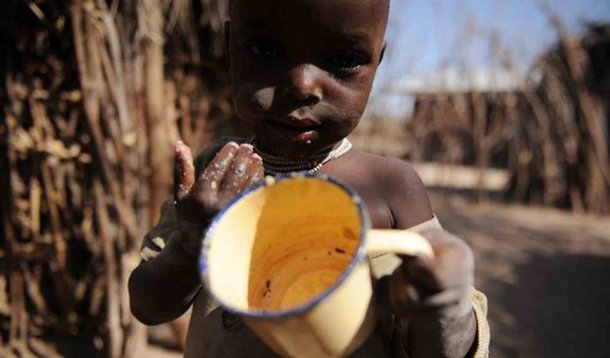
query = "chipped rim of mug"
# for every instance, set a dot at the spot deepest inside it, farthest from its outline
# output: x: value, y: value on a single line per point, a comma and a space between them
x: 358, y: 257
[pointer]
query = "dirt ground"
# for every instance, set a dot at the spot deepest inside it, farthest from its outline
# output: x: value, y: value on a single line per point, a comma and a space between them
x: 546, y: 274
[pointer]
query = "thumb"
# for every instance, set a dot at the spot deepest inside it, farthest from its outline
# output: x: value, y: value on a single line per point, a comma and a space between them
x: 184, y: 171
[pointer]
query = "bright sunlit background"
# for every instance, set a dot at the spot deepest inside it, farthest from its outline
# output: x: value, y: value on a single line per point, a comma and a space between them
x: 429, y: 36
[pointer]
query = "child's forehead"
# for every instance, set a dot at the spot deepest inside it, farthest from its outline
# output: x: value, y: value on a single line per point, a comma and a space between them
x: 330, y: 15
x: 345, y: 5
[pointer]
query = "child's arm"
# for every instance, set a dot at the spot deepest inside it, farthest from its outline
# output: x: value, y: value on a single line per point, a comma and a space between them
x: 163, y: 287
x: 432, y: 297
x: 435, y: 297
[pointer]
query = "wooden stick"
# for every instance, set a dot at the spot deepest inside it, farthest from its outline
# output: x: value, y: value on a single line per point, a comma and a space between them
x: 113, y: 312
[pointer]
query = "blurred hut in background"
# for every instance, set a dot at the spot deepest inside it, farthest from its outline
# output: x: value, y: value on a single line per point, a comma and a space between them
x: 566, y: 147
x: 458, y: 131
x: 539, y: 137
x: 94, y: 95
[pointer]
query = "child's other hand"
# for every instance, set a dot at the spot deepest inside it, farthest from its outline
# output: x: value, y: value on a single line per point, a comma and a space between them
x: 438, y: 286
x: 433, y: 297
x: 233, y: 169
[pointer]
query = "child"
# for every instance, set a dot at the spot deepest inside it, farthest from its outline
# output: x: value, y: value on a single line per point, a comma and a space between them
x: 301, y: 73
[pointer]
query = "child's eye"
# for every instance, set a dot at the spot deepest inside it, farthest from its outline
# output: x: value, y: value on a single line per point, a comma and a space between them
x: 349, y: 60
x: 264, y: 49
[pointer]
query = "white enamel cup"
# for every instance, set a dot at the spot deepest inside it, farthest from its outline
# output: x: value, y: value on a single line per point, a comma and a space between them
x: 291, y: 257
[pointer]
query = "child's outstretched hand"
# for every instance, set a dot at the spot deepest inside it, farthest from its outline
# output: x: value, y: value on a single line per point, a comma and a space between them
x: 234, y: 168
x: 434, y: 296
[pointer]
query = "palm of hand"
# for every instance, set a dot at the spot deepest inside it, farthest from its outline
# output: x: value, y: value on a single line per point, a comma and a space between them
x: 233, y: 169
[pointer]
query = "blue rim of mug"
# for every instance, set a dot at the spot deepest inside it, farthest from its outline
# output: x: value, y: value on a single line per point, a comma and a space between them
x: 304, y: 307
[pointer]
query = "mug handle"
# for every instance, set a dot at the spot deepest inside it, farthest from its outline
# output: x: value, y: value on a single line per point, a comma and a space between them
x: 402, y: 242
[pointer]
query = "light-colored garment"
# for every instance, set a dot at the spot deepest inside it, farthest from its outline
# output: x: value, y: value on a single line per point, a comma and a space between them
x: 216, y: 333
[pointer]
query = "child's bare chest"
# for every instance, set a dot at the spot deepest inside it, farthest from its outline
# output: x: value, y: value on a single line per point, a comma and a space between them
x: 375, y: 202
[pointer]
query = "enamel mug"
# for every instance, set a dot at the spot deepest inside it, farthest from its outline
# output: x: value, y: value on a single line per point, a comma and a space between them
x: 291, y: 257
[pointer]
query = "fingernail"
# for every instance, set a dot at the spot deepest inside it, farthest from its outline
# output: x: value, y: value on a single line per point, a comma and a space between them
x: 178, y: 147
x: 257, y: 157
x: 248, y: 146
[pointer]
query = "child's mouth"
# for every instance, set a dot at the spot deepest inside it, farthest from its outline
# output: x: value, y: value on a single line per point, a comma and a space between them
x: 296, y: 132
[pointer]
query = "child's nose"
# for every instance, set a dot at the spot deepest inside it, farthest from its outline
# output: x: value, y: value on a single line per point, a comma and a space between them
x: 303, y: 83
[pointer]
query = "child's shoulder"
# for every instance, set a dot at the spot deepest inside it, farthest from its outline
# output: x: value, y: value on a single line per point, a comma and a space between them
x: 397, y: 173
x: 396, y: 181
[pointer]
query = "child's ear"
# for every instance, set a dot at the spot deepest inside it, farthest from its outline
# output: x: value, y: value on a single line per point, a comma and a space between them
x: 385, y: 45
x: 227, y: 37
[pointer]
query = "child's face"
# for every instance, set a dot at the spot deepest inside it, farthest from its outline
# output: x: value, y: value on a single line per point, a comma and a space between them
x: 302, y: 70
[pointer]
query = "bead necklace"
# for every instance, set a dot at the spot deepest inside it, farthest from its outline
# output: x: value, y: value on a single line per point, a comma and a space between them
x: 275, y: 165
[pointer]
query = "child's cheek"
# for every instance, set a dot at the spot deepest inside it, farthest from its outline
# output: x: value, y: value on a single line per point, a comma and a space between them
x: 353, y: 102
x: 352, y: 93
x: 253, y: 99
x: 263, y: 98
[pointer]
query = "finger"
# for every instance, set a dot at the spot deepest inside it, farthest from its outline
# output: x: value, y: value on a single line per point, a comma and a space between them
x: 402, y: 295
x: 184, y: 171
x: 406, y: 298
x: 439, y: 239
x: 452, y: 299
x: 381, y: 294
x: 256, y: 172
x: 451, y: 266
x: 382, y: 291
x: 213, y: 173
x: 445, y: 272
x: 236, y: 177
x: 451, y: 303
x: 422, y: 272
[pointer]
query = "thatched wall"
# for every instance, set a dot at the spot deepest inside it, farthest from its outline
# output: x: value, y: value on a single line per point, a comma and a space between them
x: 94, y: 95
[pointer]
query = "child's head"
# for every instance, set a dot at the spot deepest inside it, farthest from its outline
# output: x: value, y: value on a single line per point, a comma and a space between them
x: 302, y: 70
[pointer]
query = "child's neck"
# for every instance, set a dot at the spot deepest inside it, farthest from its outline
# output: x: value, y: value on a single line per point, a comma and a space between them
x: 275, y: 164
